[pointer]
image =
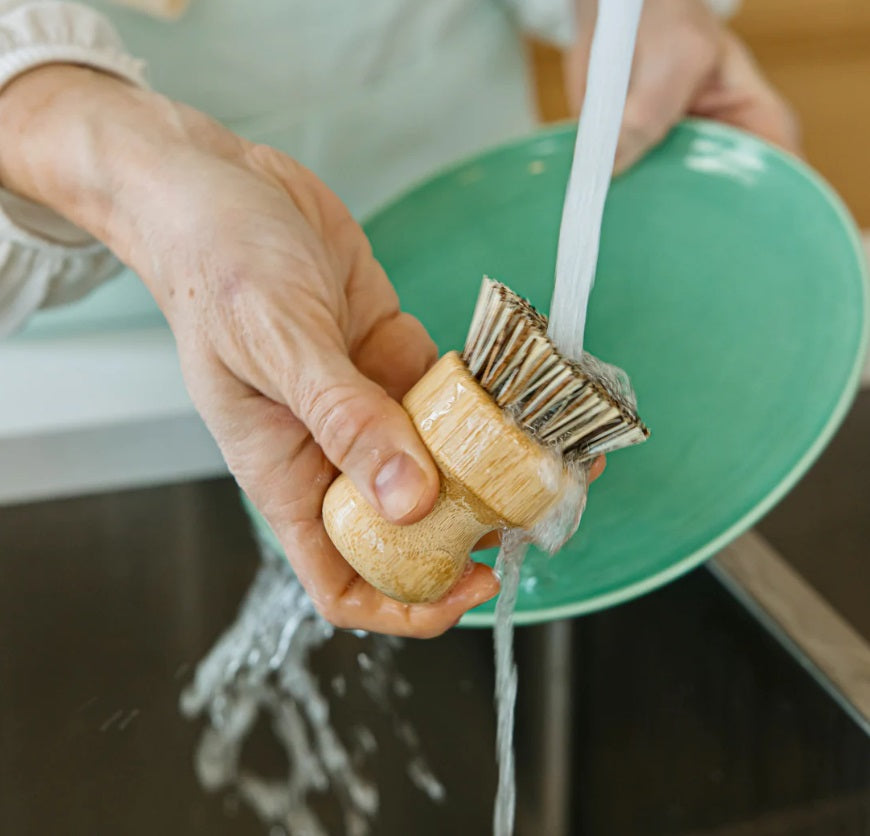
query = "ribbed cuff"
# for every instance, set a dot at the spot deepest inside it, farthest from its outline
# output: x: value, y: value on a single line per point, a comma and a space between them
x: 25, y: 58
x: 49, y: 32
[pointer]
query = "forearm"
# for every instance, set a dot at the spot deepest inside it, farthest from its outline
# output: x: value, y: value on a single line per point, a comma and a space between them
x: 91, y: 147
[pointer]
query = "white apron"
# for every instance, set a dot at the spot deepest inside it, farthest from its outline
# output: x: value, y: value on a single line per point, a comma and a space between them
x: 370, y: 94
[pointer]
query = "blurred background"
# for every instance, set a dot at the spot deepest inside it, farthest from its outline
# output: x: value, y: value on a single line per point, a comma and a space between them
x: 724, y: 719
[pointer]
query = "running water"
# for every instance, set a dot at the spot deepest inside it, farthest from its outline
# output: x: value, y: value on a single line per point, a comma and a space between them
x: 594, y: 153
x: 261, y: 668
x: 507, y: 566
x: 549, y: 534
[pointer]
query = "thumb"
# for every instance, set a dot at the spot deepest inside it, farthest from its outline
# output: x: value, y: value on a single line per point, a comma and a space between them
x: 367, y: 436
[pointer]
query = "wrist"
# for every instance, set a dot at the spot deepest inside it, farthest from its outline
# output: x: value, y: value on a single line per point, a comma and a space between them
x: 89, y: 146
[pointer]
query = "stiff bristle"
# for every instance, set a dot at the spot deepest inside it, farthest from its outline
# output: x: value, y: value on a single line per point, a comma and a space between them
x: 567, y: 404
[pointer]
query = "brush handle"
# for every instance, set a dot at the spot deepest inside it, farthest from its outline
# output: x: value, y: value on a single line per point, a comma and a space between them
x: 416, y: 563
x: 493, y: 475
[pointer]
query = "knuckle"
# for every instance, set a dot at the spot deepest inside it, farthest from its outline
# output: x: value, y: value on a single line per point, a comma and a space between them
x: 265, y: 157
x: 339, y: 418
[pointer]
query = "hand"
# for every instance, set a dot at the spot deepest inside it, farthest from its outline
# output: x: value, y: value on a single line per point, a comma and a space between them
x: 290, y: 336
x: 289, y: 333
x: 296, y: 354
x: 686, y: 63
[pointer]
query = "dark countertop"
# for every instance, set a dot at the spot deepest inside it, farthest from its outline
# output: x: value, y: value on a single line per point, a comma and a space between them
x: 823, y: 526
x: 687, y: 719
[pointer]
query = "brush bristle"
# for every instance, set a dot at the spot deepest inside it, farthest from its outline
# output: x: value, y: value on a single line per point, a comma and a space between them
x: 567, y: 404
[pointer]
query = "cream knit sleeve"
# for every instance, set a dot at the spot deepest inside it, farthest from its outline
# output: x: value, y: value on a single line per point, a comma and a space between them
x: 553, y: 20
x: 44, y: 259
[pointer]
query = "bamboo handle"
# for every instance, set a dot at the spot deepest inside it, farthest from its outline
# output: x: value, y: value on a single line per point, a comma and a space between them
x: 416, y: 563
x: 492, y: 475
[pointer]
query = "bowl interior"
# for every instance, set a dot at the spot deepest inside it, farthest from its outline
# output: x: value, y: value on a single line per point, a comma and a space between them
x: 730, y: 287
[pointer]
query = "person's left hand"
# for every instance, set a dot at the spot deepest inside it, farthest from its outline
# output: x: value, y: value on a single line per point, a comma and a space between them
x: 686, y: 63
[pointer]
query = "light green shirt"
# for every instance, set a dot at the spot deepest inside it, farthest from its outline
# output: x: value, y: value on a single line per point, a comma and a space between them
x: 370, y: 95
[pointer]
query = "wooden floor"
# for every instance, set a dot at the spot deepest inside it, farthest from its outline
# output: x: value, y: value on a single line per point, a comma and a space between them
x: 818, y: 54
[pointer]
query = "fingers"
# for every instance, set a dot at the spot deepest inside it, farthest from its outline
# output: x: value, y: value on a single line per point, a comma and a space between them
x: 666, y: 77
x: 284, y: 472
x: 743, y: 97
x: 686, y: 63
x: 366, y: 435
x: 358, y: 423
x: 359, y: 605
x: 489, y: 541
x: 292, y: 507
x: 310, y: 381
x: 597, y: 468
x: 677, y: 52
x: 396, y: 354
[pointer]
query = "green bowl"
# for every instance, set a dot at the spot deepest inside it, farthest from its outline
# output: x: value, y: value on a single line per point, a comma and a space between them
x: 731, y: 287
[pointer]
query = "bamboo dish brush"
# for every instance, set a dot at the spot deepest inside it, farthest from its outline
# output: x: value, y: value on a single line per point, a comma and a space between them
x: 506, y: 423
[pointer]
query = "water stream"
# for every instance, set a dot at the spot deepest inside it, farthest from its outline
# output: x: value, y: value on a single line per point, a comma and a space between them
x: 261, y: 668
x: 594, y: 152
x: 508, y: 566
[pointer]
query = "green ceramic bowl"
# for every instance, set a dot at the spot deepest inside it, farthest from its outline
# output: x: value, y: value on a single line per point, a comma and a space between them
x: 730, y: 287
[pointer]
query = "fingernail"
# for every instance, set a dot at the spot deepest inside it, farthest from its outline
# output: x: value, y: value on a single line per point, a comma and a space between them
x: 493, y: 587
x: 487, y: 590
x: 484, y: 586
x: 483, y: 597
x: 399, y: 486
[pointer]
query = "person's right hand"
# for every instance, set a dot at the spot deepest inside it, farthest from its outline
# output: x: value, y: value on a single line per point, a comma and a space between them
x: 290, y: 336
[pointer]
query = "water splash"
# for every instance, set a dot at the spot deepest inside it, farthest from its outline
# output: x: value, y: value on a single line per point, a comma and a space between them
x: 261, y: 667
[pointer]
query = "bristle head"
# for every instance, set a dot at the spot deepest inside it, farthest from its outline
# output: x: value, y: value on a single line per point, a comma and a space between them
x: 581, y: 408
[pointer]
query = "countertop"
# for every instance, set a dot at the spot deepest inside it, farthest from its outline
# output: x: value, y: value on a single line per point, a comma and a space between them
x: 682, y: 716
